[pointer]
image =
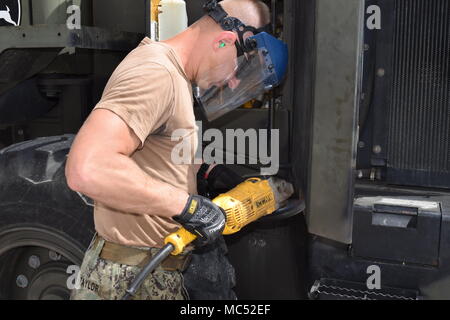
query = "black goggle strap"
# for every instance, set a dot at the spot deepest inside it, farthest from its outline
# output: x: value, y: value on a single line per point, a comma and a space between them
x: 227, y: 23
x: 215, y: 10
x: 267, y: 28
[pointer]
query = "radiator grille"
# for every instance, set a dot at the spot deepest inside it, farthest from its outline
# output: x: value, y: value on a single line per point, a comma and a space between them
x: 419, y: 111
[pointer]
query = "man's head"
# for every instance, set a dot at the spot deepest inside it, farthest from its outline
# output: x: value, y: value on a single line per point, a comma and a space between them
x: 217, y: 50
x: 229, y: 57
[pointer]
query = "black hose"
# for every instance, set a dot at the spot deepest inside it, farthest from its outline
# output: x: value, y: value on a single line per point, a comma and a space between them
x: 149, y: 268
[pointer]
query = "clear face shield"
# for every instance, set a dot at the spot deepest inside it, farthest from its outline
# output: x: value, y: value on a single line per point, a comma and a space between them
x: 260, y: 65
x: 254, y: 73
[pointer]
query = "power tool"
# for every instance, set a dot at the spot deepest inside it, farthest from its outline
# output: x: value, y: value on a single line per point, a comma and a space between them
x: 246, y: 203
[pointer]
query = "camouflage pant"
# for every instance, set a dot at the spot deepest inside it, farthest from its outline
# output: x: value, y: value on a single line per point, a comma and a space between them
x: 101, y: 279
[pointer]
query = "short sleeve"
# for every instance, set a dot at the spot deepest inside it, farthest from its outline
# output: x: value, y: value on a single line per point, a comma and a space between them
x: 141, y: 94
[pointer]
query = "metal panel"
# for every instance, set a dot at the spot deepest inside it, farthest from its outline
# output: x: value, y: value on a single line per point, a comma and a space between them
x: 58, y: 36
x: 120, y: 15
x: 194, y: 10
x: 55, y: 11
x: 299, y: 23
x: 339, y: 30
x: 402, y: 229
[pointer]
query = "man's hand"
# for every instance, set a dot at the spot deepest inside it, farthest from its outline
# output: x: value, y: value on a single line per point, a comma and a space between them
x: 203, y: 218
x: 213, y: 180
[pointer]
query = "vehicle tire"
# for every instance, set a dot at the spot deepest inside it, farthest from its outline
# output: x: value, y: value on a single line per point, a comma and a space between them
x: 44, y: 226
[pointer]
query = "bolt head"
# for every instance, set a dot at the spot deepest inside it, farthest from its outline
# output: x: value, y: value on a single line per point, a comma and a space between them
x: 22, y: 281
x: 54, y: 255
x: 377, y: 149
x: 34, y: 262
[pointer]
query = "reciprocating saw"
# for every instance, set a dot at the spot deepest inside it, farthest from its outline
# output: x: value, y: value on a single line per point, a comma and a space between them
x: 246, y: 203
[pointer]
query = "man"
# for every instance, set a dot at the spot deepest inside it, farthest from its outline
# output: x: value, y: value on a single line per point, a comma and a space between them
x: 122, y: 156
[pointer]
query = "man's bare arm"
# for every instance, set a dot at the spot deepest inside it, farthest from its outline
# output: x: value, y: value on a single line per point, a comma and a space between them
x: 99, y: 166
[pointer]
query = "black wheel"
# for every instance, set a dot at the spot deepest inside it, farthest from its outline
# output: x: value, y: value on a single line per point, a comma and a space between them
x: 44, y: 226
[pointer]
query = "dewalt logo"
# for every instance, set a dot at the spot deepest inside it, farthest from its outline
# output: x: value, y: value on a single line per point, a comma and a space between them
x: 261, y: 202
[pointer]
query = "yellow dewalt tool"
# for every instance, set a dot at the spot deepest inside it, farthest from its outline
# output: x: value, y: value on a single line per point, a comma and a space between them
x: 246, y: 203
x: 243, y: 205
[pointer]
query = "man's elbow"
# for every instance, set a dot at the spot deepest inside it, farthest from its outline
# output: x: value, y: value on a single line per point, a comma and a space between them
x: 79, y: 177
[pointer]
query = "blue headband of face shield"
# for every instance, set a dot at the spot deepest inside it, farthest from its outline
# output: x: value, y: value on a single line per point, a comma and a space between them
x: 275, y: 53
x: 261, y: 65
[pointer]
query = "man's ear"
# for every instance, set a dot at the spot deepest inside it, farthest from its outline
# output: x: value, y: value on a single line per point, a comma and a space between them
x: 224, y: 39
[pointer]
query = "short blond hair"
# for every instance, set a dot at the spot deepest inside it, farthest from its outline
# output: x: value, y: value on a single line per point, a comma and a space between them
x: 253, y: 13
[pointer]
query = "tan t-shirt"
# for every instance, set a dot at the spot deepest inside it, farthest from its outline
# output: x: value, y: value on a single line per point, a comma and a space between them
x: 149, y: 90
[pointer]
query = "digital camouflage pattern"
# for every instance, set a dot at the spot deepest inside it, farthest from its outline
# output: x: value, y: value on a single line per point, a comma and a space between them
x: 101, y: 279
